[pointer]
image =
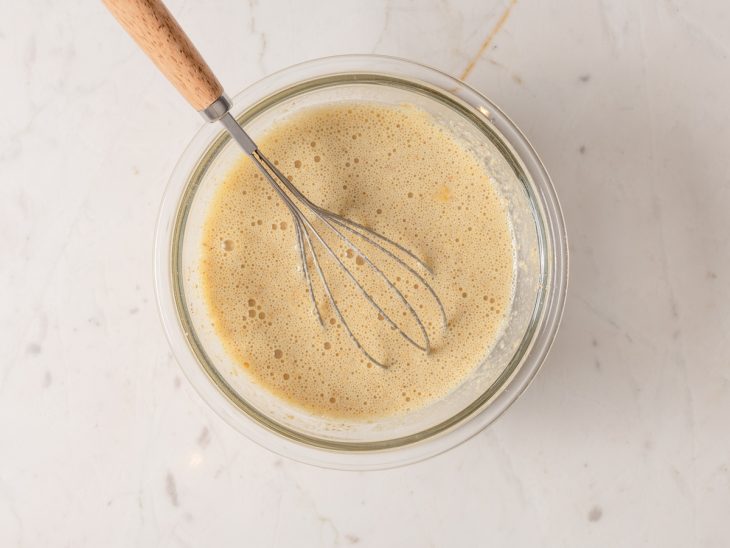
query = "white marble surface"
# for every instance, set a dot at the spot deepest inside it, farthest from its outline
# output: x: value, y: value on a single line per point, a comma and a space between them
x: 623, y: 439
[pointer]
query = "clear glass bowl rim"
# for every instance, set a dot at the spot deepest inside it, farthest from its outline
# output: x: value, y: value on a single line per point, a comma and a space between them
x: 554, y: 252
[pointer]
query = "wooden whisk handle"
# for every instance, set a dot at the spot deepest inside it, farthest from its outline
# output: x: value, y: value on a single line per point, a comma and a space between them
x: 159, y: 35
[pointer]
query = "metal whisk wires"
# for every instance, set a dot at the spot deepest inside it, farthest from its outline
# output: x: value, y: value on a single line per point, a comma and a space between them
x: 307, y: 235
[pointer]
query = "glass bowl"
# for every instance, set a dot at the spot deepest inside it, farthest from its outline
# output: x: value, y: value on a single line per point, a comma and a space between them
x: 540, y: 272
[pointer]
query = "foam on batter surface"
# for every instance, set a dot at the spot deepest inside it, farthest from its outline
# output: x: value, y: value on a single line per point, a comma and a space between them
x: 396, y: 170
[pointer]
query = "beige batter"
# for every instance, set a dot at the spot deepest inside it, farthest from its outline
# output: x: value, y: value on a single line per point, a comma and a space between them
x: 399, y: 172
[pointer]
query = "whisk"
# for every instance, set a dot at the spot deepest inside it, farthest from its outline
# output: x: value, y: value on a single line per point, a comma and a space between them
x: 157, y: 32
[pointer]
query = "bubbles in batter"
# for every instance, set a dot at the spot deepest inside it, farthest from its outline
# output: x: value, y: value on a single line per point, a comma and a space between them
x: 397, y: 171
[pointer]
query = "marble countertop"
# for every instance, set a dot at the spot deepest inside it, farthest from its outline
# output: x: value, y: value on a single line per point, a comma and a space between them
x: 622, y: 440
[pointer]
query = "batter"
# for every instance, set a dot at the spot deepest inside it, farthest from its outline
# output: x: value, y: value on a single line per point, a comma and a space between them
x: 397, y: 171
